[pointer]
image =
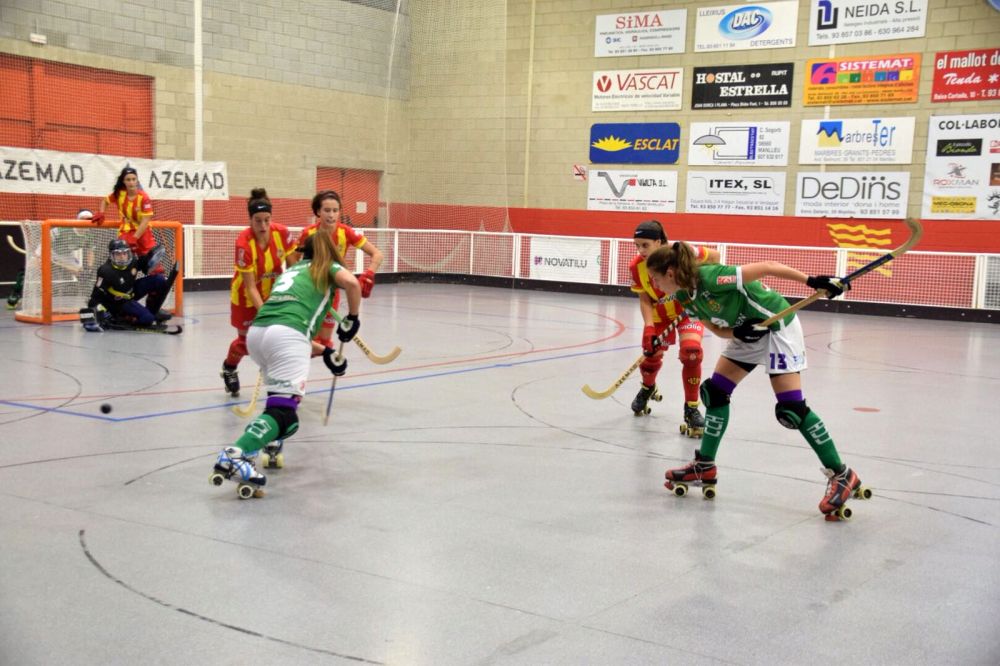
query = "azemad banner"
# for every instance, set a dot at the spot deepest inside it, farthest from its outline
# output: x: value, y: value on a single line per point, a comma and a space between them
x: 962, y: 180
x: 846, y: 21
x: 633, y: 191
x: 857, y: 141
x: 745, y: 144
x: 736, y: 192
x: 635, y: 143
x: 967, y: 76
x: 766, y: 25
x: 27, y: 171
x: 888, y: 79
x: 638, y: 90
x: 565, y: 259
x: 742, y: 86
x: 852, y: 194
x: 640, y: 33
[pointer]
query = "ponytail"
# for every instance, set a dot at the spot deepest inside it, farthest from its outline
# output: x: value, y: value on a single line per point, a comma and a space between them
x: 322, y: 254
x: 679, y: 257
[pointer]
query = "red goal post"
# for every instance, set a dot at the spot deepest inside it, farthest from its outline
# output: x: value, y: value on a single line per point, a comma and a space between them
x: 61, y: 258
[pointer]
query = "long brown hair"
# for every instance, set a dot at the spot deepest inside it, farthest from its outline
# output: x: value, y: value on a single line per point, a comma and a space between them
x: 679, y: 257
x: 321, y: 253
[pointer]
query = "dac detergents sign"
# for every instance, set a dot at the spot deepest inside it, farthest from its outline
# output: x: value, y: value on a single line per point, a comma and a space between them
x: 765, y: 25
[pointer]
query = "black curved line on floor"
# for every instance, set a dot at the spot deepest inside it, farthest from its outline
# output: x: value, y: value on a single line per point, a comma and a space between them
x: 160, y: 469
x: 106, y: 453
x: 79, y: 390
x: 249, y: 632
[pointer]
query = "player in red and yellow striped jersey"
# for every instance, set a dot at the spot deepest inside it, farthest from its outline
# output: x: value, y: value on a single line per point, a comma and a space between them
x: 135, y: 210
x: 261, y: 250
x: 658, y: 311
x: 326, y: 207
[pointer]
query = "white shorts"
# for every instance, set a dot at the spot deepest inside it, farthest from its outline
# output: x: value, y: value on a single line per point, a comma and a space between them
x: 283, y: 356
x: 781, y: 352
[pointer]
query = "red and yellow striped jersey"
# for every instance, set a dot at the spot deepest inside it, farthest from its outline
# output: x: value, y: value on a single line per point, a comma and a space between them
x: 343, y: 236
x: 260, y: 263
x: 664, y: 309
x: 131, y: 212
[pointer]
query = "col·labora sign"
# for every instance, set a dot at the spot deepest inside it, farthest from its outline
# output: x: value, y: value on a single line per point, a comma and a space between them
x: 883, y: 79
x: 966, y: 76
x: 742, y: 86
x: 635, y: 143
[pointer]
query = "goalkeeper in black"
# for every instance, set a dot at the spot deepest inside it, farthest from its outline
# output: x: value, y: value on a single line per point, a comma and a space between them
x: 114, y: 302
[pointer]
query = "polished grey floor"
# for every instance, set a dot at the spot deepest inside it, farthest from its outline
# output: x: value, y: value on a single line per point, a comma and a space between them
x: 467, y: 504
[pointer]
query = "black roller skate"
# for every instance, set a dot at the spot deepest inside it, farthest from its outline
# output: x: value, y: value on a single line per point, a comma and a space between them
x: 645, y: 394
x: 232, y: 464
x: 231, y: 378
x: 701, y: 471
x: 272, y: 455
x: 694, y: 424
x: 841, y: 487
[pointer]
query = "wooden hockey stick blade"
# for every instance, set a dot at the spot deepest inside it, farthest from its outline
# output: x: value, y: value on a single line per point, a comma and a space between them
x: 376, y: 358
x: 245, y: 412
x: 13, y: 245
x: 601, y: 395
x: 916, y: 231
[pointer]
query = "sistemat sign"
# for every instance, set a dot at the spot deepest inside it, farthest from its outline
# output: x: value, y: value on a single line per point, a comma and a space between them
x: 742, y: 86
x: 635, y: 143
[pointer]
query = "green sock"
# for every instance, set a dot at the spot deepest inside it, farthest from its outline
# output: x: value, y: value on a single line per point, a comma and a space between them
x: 716, y: 420
x: 814, y: 430
x: 259, y: 432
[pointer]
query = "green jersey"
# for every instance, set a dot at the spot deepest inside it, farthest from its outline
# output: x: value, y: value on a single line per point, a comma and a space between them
x: 296, y: 302
x: 722, y: 298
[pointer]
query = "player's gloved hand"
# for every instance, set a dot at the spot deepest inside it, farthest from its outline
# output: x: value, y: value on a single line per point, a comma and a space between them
x: 831, y: 285
x: 348, y: 328
x: 97, y: 218
x: 367, y: 281
x: 89, y: 320
x: 650, y: 341
x: 338, y: 366
x: 747, y: 333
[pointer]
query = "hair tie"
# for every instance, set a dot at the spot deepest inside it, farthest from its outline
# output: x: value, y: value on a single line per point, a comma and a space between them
x: 676, y: 247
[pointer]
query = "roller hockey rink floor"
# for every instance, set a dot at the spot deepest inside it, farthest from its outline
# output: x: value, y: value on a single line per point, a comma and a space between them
x: 467, y: 504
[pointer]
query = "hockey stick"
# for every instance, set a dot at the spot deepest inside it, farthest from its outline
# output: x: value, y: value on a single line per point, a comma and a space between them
x: 372, y: 356
x: 333, y: 385
x: 245, y: 412
x: 10, y: 241
x: 916, y: 231
x: 601, y: 395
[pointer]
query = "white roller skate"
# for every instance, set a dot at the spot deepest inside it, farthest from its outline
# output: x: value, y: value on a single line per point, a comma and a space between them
x: 272, y: 456
x: 232, y: 464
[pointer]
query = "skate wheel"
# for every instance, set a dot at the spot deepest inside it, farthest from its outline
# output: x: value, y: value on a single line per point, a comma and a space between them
x: 863, y: 492
x: 216, y: 479
x: 656, y: 396
x: 245, y: 491
x: 683, y: 429
x: 279, y: 460
x: 708, y: 492
x: 842, y: 513
x: 265, y: 459
x: 680, y: 489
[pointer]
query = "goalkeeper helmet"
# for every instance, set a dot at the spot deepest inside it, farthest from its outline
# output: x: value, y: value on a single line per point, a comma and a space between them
x: 120, y: 253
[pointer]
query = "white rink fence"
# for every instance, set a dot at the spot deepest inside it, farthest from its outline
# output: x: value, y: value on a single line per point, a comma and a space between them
x: 934, y: 279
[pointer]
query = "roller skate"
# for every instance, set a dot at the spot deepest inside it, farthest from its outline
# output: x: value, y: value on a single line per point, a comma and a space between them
x: 272, y: 455
x: 645, y: 394
x: 232, y: 464
x: 694, y: 424
x: 841, y: 487
x: 12, y: 301
x: 700, y: 471
x: 231, y: 379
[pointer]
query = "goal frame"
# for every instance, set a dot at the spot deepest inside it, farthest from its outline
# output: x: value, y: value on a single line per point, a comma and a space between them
x: 46, y: 315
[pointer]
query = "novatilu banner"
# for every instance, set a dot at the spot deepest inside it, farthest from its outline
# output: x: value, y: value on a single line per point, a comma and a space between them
x: 29, y: 171
x: 888, y: 79
x: 742, y: 144
x: 742, y: 86
x: 765, y: 25
x: 632, y: 191
x: 966, y: 76
x: 736, y: 192
x: 565, y: 259
x: 640, y: 33
x: 962, y: 178
x: 635, y: 143
x: 857, y: 141
x: 852, y: 194
x: 846, y: 21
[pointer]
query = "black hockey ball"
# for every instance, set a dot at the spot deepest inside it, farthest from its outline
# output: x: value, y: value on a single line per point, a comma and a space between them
x: 105, y: 408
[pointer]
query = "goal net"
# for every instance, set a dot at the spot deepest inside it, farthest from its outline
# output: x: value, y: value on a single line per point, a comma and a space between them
x: 61, y: 258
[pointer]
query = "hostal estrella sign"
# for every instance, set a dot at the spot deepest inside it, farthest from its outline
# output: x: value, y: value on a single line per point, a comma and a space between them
x: 635, y: 143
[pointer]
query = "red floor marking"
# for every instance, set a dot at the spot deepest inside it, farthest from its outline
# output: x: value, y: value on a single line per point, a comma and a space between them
x: 867, y: 409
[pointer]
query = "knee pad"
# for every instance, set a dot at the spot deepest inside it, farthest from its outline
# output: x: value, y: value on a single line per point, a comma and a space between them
x: 690, y: 353
x: 791, y: 413
x: 712, y: 395
x: 283, y: 409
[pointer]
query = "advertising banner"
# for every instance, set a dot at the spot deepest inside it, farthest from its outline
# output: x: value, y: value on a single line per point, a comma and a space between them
x: 962, y: 177
x: 640, y: 33
x: 30, y: 171
x: 633, y: 191
x: 635, y: 143
x: 846, y: 21
x: 857, y: 141
x: 565, y: 259
x: 736, y: 192
x: 765, y: 25
x: 888, y: 79
x: 852, y: 194
x: 657, y: 89
x: 966, y: 76
x: 738, y: 144
x: 742, y: 86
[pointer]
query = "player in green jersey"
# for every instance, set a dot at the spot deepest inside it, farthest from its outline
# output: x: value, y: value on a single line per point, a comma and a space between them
x: 730, y: 300
x: 280, y: 342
